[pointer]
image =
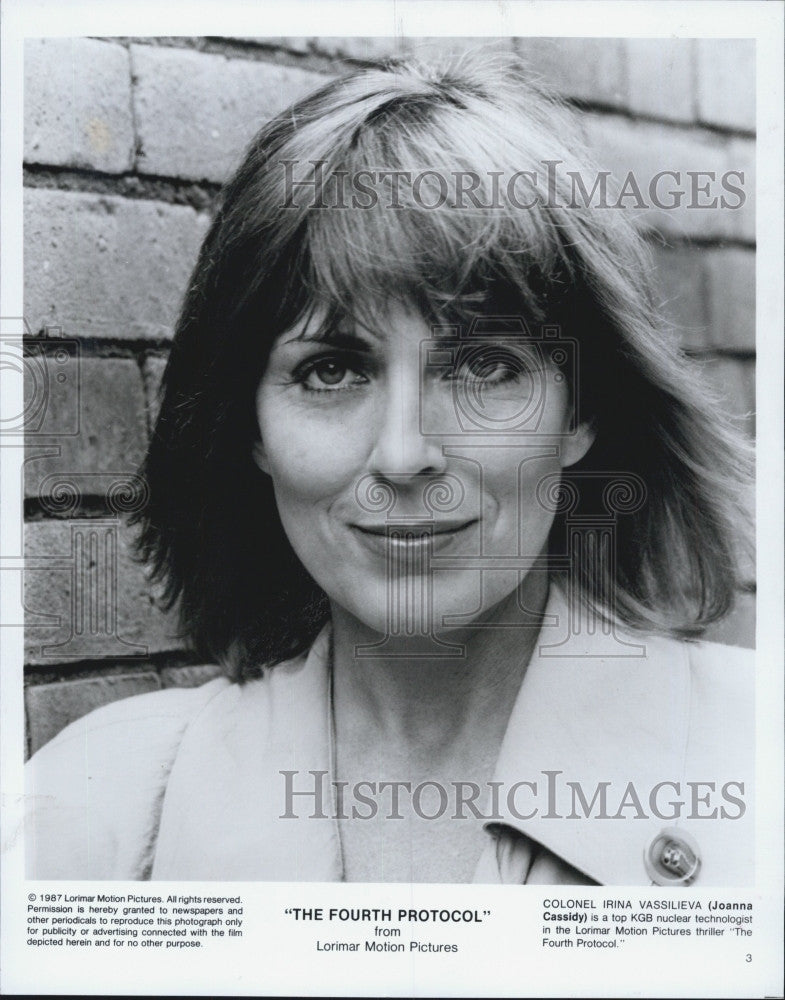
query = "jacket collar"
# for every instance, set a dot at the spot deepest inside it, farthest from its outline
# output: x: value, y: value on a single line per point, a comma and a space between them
x: 223, y: 815
x: 594, y: 707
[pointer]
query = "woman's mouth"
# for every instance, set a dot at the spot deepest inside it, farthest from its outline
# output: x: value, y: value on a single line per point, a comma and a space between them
x: 402, y: 536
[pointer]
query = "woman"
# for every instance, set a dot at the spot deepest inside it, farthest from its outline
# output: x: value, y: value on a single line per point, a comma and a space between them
x: 432, y: 484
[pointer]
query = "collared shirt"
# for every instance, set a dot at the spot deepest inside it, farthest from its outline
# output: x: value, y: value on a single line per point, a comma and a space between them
x: 611, y: 740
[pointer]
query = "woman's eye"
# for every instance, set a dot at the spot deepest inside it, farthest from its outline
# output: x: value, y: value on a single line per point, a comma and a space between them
x: 329, y: 374
x: 491, y: 367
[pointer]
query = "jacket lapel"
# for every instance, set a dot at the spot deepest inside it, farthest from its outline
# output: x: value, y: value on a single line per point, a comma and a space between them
x: 590, y: 720
x: 594, y: 712
x: 225, y: 806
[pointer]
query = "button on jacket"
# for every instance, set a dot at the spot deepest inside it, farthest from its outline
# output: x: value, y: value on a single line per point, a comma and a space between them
x: 631, y: 748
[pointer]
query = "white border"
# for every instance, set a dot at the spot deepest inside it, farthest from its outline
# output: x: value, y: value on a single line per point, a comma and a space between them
x: 674, y: 971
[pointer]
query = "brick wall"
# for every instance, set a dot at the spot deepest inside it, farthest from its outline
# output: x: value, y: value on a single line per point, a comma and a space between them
x: 126, y: 144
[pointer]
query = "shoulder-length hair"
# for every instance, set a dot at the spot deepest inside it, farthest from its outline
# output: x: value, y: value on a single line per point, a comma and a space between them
x: 301, y: 225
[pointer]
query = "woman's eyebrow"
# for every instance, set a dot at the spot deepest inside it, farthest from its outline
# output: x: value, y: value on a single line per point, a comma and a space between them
x: 335, y: 338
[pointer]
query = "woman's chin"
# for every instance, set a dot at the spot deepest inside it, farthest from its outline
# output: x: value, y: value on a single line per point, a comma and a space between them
x: 429, y: 613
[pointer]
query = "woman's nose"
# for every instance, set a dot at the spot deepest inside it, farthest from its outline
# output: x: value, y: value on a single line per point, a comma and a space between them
x: 401, y: 448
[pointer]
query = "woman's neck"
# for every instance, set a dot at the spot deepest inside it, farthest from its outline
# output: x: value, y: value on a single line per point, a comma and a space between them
x: 430, y: 712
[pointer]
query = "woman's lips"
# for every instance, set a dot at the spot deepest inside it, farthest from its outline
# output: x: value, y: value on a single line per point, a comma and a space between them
x: 411, y: 535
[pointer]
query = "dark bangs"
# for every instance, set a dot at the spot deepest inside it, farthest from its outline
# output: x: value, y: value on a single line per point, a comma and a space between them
x: 449, y: 262
x: 420, y: 193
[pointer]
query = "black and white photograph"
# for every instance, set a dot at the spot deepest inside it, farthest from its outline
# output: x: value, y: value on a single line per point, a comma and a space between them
x: 385, y: 485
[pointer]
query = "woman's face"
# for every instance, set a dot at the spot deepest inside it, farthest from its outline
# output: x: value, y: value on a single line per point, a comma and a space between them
x: 406, y: 464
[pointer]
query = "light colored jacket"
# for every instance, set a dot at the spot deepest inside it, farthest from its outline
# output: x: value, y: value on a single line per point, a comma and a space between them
x: 186, y: 784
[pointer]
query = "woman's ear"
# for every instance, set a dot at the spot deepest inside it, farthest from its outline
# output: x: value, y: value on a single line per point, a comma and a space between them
x: 575, y: 445
x: 259, y: 453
